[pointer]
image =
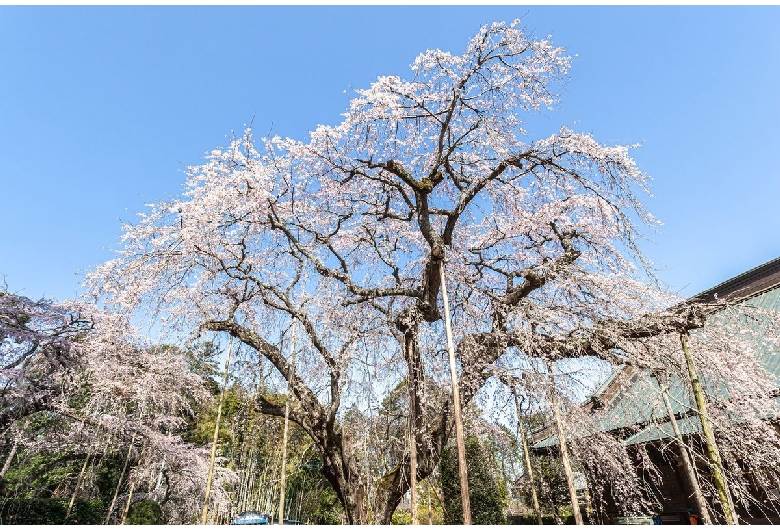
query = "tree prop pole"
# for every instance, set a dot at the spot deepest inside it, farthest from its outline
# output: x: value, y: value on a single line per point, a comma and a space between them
x: 119, y: 482
x: 129, y: 500
x: 713, y: 453
x: 8, y: 459
x: 527, y: 456
x: 575, y: 504
x: 464, y: 482
x: 430, y: 512
x: 413, y: 467
x: 132, y: 487
x: 283, y: 480
x: 686, y: 460
x: 79, y: 481
x: 216, y: 434
x: 412, y: 435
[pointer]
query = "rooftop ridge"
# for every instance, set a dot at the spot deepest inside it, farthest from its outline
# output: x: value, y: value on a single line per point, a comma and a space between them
x: 745, y: 285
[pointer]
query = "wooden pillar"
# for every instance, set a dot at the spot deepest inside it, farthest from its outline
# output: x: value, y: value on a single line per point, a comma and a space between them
x: 283, y: 480
x: 701, y: 503
x: 464, y: 482
x: 575, y: 505
x: 412, y: 451
x: 527, y: 456
x: 205, y: 515
x: 713, y: 454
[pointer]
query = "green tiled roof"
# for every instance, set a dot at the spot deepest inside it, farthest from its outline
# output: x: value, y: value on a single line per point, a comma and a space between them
x: 639, y: 404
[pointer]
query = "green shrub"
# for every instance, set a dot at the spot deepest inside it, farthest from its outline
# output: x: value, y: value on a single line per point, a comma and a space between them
x: 401, y: 517
x: 146, y: 511
x: 49, y: 511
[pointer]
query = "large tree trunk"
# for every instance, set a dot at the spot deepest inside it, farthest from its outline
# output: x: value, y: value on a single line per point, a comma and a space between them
x: 341, y: 470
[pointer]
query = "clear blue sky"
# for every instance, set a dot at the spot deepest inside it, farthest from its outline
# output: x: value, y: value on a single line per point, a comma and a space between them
x: 102, y: 107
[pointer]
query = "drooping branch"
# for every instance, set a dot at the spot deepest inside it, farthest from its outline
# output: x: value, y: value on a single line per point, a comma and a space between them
x: 315, y: 416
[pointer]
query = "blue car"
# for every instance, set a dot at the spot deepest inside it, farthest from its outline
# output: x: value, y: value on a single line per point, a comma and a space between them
x: 252, y: 518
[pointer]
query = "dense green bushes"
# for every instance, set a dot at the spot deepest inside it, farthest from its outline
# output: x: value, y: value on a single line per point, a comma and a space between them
x: 146, y: 511
x: 50, y: 511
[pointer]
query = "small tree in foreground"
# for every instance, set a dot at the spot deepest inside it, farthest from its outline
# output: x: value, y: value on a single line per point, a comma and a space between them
x: 88, y: 409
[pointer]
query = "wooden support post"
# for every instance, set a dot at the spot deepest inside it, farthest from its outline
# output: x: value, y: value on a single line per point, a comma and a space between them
x: 129, y: 501
x: 529, y: 470
x: 464, y: 481
x: 411, y: 381
x: 132, y: 487
x: 713, y: 454
x: 701, y: 503
x: 205, y: 515
x: 119, y: 483
x: 78, y: 482
x: 575, y: 504
x: 412, y: 454
x: 430, y: 512
x: 8, y: 459
x: 283, y: 479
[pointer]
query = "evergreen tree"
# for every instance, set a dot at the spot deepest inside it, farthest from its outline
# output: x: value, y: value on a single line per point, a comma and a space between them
x: 487, y: 491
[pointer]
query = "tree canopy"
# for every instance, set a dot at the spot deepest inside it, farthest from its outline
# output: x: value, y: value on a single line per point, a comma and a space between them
x: 339, y: 239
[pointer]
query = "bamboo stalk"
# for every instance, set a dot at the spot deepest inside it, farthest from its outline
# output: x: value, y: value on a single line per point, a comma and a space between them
x: 686, y: 460
x: 527, y: 455
x: 216, y: 434
x: 132, y: 486
x: 430, y: 511
x: 413, y: 471
x: 119, y: 482
x: 713, y: 453
x: 283, y: 482
x: 78, y: 482
x: 464, y: 482
x: 129, y: 500
x: 575, y: 504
